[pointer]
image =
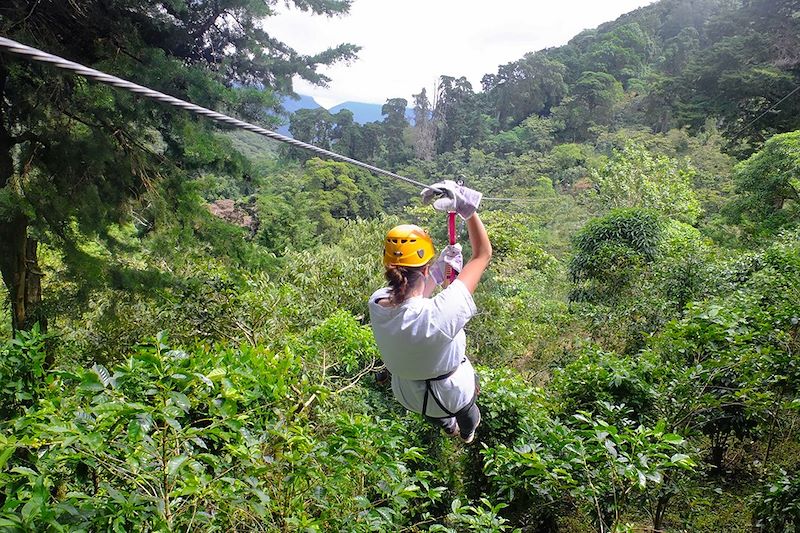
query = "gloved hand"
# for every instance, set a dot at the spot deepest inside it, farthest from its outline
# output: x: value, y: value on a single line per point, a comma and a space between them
x: 450, y: 256
x: 447, y: 195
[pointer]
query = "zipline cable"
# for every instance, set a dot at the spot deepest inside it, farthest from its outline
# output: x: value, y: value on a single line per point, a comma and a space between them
x: 35, y: 54
x: 773, y: 106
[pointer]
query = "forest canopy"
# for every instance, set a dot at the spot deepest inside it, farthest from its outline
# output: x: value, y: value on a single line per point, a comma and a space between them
x: 184, y: 341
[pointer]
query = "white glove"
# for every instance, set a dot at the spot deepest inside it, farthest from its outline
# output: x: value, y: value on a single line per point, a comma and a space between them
x: 447, y: 195
x: 450, y: 256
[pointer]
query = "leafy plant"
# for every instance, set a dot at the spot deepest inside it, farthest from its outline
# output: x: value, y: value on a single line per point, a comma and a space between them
x: 611, y: 250
x: 23, y: 371
x: 602, y: 467
x: 777, y: 504
x: 596, y: 378
x: 635, y: 177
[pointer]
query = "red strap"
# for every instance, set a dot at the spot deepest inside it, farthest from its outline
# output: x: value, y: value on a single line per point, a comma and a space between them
x: 451, y: 231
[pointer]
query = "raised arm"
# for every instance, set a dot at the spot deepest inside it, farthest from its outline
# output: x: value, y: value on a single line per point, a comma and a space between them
x: 481, y: 253
x: 447, y: 195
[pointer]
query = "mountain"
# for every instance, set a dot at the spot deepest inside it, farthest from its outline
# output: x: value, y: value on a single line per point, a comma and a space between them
x: 362, y: 112
x: 303, y: 102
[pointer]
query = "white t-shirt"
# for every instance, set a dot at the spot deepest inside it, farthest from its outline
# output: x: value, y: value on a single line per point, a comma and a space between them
x: 423, y: 338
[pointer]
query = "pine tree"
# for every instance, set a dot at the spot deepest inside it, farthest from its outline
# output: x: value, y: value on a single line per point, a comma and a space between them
x: 73, y: 154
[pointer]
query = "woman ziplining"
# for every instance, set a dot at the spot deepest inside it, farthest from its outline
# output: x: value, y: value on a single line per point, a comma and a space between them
x: 421, y: 338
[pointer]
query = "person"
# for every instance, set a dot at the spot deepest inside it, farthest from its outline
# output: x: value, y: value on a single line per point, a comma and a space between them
x: 421, y: 337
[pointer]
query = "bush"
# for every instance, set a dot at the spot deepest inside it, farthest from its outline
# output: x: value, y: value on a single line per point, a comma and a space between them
x: 611, y: 250
x: 342, y: 343
x: 597, y: 377
x: 205, y: 439
x: 602, y: 468
x: 634, y: 177
x: 777, y: 504
x: 23, y: 372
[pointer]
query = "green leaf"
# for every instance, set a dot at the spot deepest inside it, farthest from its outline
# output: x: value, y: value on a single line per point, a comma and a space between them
x: 7, y: 452
x: 217, y: 373
x: 134, y: 430
x: 180, y: 399
x: 24, y: 470
x: 174, y: 464
x: 90, y: 381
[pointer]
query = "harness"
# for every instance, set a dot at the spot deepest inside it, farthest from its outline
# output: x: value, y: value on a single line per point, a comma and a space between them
x: 429, y: 393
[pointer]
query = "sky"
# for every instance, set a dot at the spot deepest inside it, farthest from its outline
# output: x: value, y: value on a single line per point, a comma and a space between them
x: 407, y: 44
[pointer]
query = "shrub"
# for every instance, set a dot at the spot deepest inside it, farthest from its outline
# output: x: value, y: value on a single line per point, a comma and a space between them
x: 344, y: 344
x: 597, y: 377
x: 205, y: 439
x: 611, y: 250
x: 635, y: 177
x: 598, y: 466
x: 777, y: 504
x: 23, y: 372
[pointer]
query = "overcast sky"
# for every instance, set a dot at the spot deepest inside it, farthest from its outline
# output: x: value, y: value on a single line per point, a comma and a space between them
x: 407, y: 44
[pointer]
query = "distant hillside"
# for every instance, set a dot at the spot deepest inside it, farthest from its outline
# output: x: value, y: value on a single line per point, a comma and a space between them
x: 304, y: 102
x: 362, y: 112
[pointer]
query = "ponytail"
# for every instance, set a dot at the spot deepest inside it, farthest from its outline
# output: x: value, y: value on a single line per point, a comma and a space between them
x: 402, y: 280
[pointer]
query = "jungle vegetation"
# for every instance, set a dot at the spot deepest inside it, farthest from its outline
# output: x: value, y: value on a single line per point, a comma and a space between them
x: 183, y: 340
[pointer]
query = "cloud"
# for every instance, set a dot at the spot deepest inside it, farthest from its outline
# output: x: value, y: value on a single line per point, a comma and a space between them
x: 407, y: 45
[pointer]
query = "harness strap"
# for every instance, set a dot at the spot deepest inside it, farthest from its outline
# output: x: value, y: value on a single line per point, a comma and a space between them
x: 429, y: 392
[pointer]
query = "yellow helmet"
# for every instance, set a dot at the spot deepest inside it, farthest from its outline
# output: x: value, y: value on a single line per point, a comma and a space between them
x: 407, y: 245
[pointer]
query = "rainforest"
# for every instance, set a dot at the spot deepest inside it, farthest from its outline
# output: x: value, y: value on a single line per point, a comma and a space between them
x: 184, y: 332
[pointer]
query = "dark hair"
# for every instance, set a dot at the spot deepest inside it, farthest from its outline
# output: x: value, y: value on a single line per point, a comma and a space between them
x: 402, y: 280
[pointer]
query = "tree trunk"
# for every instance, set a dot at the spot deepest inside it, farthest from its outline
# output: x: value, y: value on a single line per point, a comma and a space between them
x: 18, y: 261
x: 661, y: 511
x: 21, y: 275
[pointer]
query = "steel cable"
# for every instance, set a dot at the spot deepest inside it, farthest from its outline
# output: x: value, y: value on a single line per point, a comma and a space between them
x: 35, y: 54
x: 96, y: 75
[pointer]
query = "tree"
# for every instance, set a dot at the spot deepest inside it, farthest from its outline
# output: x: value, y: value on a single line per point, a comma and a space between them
x: 621, y: 52
x: 423, y: 127
x: 634, y: 177
x: 591, y: 103
x: 768, y: 185
x: 611, y: 251
x: 456, y: 115
x: 737, y: 80
x: 74, y: 155
x: 532, y: 85
x: 346, y: 133
x: 394, y: 124
x: 335, y: 191
x: 313, y: 126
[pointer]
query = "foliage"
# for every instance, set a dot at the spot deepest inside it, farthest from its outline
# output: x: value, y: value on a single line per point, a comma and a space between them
x: 333, y: 191
x: 735, y: 355
x: 67, y: 175
x: 596, y: 377
x: 531, y: 86
x: 590, y: 105
x: 483, y: 517
x: 768, y: 185
x: 777, y: 506
x: 611, y: 250
x: 212, y: 439
x: 23, y: 372
x: 349, y: 344
x: 599, y: 465
x: 634, y: 177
